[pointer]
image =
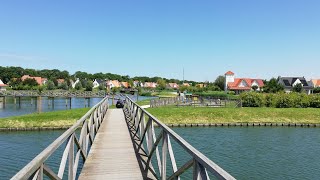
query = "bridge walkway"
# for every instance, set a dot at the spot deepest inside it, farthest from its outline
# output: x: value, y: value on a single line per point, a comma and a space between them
x: 112, y: 155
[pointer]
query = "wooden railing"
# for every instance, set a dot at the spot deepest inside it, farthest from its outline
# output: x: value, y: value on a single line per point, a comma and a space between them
x: 165, y: 101
x: 141, y: 124
x: 61, y: 93
x: 189, y: 101
x: 76, y: 147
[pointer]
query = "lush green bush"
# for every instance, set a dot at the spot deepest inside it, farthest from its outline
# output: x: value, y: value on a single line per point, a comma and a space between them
x: 252, y: 99
x: 315, y: 101
x: 284, y: 101
x: 270, y: 100
x: 280, y: 100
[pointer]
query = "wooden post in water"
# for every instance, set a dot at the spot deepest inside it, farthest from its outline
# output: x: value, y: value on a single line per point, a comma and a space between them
x: 66, y: 103
x: 52, y: 101
x: 70, y: 102
x: 19, y: 102
x: 39, y: 104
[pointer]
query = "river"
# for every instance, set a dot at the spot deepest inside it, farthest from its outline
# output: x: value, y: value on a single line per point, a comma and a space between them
x: 244, y: 152
x: 29, y: 105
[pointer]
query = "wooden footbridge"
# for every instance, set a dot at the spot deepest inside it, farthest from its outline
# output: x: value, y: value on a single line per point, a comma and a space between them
x: 120, y: 144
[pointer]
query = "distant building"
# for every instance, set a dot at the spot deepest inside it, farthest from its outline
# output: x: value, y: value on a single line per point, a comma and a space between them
x: 186, y: 84
x: 113, y: 83
x: 315, y: 83
x: 239, y: 85
x: 73, y: 84
x: 150, y: 85
x: 125, y: 84
x: 2, y: 86
x: 60, y: 81
x: 289, y: 82
x: 41, y: 81
x: 97, y: 82
x: 173, y: 85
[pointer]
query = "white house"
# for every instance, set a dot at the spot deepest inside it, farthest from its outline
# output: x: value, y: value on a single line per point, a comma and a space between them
x: 239, y: 85
x: 2, y: 86
x: 75, y: 83
x: 97, y: 82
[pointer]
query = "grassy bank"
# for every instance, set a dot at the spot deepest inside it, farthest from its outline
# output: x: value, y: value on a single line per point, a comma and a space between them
x: 190, y: 115
x: 46, y: 119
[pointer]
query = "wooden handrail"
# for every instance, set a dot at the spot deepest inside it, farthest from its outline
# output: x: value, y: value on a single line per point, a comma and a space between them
x: 143, y: 126
x: 89, y: 124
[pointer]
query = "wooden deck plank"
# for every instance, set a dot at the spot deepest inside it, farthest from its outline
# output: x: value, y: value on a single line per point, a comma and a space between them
x: 112, y: 154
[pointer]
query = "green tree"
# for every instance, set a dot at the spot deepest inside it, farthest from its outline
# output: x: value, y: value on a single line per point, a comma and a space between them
x: 102, y: 87
x: 50, y: 85
x: 220, y: 82
x: 89, y: 86
x: 272, y: 86
x: 78, y: 86
x: 30, y: 82
x: 64, y: 86
x: 316, y: 90
x: 161, y: 84
x: 297, y: 88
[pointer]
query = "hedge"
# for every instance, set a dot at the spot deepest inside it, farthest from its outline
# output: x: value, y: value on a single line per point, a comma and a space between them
x: 280, y: 100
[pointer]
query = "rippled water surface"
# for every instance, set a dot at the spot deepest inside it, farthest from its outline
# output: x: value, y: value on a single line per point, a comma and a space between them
x: 244, y: 152
x: 29, y: 105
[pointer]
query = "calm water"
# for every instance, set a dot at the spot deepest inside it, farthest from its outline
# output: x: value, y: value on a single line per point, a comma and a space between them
x: 246, y: 153
x: 30, y: 105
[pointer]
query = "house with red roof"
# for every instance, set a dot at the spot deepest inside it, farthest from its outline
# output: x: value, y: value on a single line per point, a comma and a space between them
x: 2, y: 86
x: 239, y: 85
x: 173, y: 85
x: 315, y: 83
x: 41, y: 81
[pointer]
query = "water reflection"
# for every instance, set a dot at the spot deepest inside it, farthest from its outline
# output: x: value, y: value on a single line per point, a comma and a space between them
x: 11, y: 106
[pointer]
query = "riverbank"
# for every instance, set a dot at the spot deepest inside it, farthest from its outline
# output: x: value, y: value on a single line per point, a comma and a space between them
x: 46, y: 120
x: 236, y: 116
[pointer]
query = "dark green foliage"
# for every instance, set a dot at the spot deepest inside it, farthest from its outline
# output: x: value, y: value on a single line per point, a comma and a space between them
x: 102, y: 87
x: 280, y: 100
x: 78, y: 86
x: 64, y: 86
x: 316, y: 90
x: 50, y: 85
x: 315, y: 101
x: 30, y: 82
x: 270, y: 100
x: 220, y: 82
x: 89, y: 86
x: 272, y: 86
x: 252, y: 99
x: 297, y: 88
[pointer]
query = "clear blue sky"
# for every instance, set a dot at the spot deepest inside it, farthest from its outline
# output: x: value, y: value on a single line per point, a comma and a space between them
x: 253, y: 38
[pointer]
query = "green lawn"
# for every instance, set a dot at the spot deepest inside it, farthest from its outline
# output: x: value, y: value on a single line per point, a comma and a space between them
x: 188, y: 115
x: 47, y: 119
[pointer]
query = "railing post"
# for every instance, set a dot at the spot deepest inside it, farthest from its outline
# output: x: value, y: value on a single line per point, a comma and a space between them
x: 71, y: 158
x: 164, y: 155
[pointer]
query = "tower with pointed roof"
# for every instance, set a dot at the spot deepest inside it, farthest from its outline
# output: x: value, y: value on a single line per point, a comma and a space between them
x: 229, y: 78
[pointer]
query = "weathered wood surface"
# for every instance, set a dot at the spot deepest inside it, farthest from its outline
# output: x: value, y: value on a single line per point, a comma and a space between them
x: 112, y: 155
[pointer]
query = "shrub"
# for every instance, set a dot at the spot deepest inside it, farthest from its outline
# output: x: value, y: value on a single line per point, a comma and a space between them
x: 252, y: 99
x: 284, y: 101
x: 270, y: 100
x: 315, y: 101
